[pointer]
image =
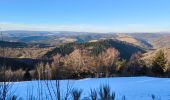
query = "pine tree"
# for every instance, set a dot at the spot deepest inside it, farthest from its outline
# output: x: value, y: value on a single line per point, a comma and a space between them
x: 159, y: 63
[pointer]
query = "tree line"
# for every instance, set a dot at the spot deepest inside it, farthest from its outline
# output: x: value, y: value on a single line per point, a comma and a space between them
x: 81, y: 64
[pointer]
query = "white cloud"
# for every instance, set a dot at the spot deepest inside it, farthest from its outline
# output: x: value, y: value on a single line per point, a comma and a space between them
x: 83, y: 28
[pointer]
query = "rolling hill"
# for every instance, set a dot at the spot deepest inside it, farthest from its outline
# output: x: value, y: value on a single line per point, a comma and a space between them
x: 157, y: 40
x: 136, y: 41
x: 144, y: 40
x: 125, y: 49
x: 7, y: 44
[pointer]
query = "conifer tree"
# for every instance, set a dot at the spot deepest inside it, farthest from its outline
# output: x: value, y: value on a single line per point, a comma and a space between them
x: 159, y: 63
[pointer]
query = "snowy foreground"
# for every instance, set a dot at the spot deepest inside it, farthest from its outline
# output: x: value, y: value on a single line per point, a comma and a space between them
x: 133, y: 88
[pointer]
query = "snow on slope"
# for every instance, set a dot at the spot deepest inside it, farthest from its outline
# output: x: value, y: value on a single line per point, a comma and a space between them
x: 134, y: 88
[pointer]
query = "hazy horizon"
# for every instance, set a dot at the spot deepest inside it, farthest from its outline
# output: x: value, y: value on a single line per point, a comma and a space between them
x: 118, y: 16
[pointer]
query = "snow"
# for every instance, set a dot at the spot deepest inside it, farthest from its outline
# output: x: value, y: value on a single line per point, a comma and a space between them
x: 133, y: 88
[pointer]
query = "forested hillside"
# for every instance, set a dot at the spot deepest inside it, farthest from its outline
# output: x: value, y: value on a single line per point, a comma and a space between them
x: 126, y: 49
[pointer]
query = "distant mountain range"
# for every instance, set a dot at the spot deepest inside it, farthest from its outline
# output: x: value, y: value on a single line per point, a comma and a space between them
x: 145, y: 40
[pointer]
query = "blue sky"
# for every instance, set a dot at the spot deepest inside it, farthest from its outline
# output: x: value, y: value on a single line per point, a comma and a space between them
x: 86, y: 15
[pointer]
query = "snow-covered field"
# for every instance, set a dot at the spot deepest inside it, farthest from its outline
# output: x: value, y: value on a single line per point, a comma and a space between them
x: 134, y: 88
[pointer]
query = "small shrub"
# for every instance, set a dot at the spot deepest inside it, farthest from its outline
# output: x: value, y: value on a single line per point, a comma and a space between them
x: 105, y: 93
x: 93, y: 94
x: 153, y: 97
x: 76, y: 94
